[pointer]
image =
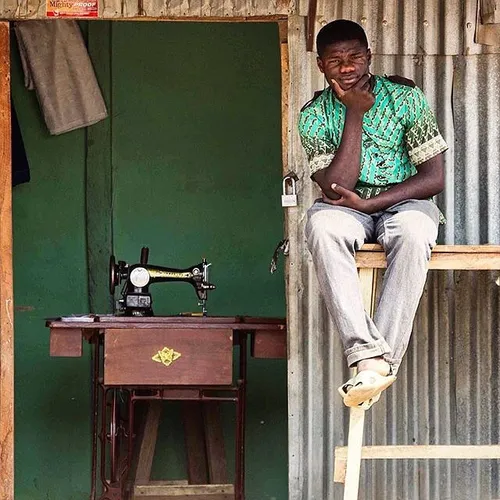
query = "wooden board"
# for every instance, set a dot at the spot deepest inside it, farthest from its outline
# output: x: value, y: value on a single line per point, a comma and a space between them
x: 147, y: 445
x: 66, y: 342
x: 190, y: 495
x: 6, y: 286
x: 214, y: 443
x: 285, y: 86
x: 157, y: 491
x: 194, y: 435
x: 442, y: 249
x: 206, y: 356
x: 444, y: 257
x: 179, y: 394
x: 269, y: 344
x: 235, y: 323
x: 459, y: 452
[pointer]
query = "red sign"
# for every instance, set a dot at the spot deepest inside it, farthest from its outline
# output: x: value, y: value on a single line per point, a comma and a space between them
x: 72, y: 8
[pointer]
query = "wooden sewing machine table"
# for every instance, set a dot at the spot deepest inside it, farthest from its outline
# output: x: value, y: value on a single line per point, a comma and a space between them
x: 166, y: 358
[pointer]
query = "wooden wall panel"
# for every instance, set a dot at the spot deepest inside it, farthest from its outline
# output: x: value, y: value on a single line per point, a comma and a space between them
x: 6, y: 292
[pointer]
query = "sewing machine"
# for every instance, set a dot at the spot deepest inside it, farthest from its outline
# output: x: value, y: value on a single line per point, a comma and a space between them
x: 135, y: 297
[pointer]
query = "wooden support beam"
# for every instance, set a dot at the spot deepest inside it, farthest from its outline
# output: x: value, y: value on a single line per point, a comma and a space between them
x: 148, y: 436
x: 194, y: 436
x: 285, y: 87
x: 348, y: 469
x: 6, y: 279
x: 415, y: 452
x: 368, y: 284
x: 214, y: 442
x: 311, y: 24
x: 444, y: 257
x: 352, y: 460
x: 158, y: 491
x: 424, y: 452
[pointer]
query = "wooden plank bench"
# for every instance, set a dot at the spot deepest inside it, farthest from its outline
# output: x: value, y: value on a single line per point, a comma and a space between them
x: 370, y: 259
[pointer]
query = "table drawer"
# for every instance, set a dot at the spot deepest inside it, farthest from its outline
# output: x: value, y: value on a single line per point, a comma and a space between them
x: 168, y: 356
x: 270, y: 344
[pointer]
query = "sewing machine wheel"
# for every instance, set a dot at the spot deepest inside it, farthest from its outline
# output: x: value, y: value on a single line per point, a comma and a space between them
x: 114, y: 278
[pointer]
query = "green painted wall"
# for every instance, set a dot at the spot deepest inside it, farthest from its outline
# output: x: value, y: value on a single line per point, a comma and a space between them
x: 196, y: 168
x: 52, y: 448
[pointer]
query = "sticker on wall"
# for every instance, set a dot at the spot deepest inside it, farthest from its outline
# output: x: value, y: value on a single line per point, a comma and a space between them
x: 72, y: 8
x: 166, y: 356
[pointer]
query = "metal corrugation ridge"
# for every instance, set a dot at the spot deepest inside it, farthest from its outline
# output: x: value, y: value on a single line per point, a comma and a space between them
x: 476, y: 103
x: 448, y: 387
x: 475, y: 371
x: 464, y: 92
x: 410, y: 27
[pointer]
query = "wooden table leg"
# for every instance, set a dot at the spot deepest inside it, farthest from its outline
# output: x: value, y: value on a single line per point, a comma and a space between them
x: 240, y: 419
x: 95, y: 413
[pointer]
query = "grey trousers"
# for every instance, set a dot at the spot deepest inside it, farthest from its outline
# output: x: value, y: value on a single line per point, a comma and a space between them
x: 407, y: 231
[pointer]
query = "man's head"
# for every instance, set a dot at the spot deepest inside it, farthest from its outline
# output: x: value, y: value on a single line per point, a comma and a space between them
x: 343, y: 53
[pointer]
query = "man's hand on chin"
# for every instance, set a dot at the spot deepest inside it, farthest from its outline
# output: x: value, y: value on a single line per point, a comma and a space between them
x: 348, y: 199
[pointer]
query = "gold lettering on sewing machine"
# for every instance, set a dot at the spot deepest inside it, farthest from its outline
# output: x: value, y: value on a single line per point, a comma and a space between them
x: 160, y: 273
x: 166, y: 356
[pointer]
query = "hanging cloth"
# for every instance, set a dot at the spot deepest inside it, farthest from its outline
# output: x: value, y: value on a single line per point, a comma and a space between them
x: 57, y: 66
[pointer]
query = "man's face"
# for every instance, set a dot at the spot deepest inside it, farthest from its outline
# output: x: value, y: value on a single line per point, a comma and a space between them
x: 346, y: 62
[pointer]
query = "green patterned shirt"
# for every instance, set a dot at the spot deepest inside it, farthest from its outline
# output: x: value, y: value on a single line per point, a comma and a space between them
x: 399, y: 133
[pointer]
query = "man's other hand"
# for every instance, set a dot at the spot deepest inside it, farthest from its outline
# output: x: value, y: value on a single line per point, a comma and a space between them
x: 348, y: 199
x: 358, y: 97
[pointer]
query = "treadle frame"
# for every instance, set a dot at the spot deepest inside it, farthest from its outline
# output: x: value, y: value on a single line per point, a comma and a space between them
x: 370, y: 260
x: 126, y: 371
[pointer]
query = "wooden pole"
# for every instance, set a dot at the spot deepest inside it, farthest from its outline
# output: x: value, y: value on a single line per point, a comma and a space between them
x: 368, y: 280
x: 6, y: 288
x: 285, y: 85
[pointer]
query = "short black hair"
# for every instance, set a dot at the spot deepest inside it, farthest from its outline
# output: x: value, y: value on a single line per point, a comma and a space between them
x: 339, y: 31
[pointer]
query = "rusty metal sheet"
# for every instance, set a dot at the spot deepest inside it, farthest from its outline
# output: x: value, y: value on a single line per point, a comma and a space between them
x: 126, y: 9
x: 412, y: 27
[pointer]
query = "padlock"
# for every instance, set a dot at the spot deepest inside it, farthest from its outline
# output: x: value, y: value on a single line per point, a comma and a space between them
x: 289, y: 200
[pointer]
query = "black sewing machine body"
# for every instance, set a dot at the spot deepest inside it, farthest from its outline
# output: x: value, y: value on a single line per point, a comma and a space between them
x: 135, y: 297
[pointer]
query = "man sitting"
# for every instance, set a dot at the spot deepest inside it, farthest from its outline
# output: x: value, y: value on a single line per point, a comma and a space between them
x: 375, y: 151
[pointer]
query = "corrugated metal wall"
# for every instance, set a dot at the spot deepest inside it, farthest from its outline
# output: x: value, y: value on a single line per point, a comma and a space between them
x: 448, y: 388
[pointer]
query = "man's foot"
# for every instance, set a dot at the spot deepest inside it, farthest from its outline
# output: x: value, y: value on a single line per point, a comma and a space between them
x: 363, y: 390
x: 367, y: 385
x: 378, y: 365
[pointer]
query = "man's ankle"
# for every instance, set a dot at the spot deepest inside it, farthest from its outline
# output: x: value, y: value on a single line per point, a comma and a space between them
x: 377, y: 364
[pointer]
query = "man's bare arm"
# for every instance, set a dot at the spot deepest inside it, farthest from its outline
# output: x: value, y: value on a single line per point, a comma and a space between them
x: 427, y: 182
x: 345, y: 166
